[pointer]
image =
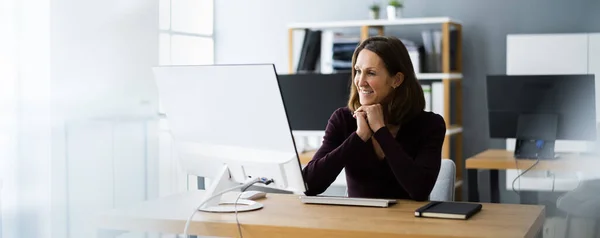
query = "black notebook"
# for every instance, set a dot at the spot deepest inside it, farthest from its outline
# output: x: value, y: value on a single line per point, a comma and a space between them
x: 449, y: 210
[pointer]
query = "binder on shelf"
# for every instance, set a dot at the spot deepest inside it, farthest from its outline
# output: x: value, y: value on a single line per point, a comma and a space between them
x: 326, y: 60
x: 437, y: 98
x: 427, y: 94
x: 432, y: 50
x: 429, y: 52
x: 336, y: 52
x: 343, y: 49
x: 413, y: 53
x: 310, y: 53
x: 303, y: 50
x: 436, y: 57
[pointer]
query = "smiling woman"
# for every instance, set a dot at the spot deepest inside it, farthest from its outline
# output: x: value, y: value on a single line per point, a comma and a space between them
x: 389, y: 146
x: 389, y: 75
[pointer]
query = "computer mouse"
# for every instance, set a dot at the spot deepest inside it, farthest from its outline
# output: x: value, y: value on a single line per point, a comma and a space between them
x: 253, y: 195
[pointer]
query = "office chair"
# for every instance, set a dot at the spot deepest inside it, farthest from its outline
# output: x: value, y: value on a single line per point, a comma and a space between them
x: 582, y: 206
x: 443, y: 190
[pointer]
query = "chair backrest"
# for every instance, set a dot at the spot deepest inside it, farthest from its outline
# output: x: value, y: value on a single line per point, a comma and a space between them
x: 443, y: 190
x: 583, y: 201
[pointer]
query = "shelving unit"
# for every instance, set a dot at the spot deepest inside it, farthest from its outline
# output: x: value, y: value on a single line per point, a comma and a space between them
x: 447, y: 76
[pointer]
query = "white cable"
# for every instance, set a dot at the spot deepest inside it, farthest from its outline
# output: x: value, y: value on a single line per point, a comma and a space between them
x: 187, y: 223
x: 236, y: 215
x: 245, y: 187
x: 553, y: 180
x: 242, y: 187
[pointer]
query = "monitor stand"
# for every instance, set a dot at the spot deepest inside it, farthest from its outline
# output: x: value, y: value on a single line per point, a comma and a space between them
x: 536, y: 136
x: 224, y: 182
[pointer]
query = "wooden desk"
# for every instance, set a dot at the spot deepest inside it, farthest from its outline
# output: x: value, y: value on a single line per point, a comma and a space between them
x: 496, y: 159
x: 503, y: 159
x: 306, y: 156
x: 286, y: 216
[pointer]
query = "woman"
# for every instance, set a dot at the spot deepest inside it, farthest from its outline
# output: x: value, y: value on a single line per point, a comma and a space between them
x: 389, y: 146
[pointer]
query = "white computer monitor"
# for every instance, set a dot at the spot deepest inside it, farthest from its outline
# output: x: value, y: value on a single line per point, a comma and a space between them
x: 229, y: 124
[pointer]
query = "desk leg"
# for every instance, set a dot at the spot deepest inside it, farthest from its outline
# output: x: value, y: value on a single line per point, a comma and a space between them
x: 494, y: 186
x: 474, y: 188
x: 473, y: 195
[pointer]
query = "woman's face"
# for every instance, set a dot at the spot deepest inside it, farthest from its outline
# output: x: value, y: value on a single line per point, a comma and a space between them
x: 373, y: 83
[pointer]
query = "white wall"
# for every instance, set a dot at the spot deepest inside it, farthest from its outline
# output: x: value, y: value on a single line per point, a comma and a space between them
x: 8, y: 113
x: 102, y: 54
x: 31, y: 212
x: 67, y: 69
x: 105, y: 143
x: 256, y: 32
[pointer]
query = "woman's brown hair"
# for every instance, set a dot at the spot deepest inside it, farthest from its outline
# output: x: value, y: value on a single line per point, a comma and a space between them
x: 407, y: 100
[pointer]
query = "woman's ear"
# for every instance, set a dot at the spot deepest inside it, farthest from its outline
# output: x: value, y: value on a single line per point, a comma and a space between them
x: 398, y: 79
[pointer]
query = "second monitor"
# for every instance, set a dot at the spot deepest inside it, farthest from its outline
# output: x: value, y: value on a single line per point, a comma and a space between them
x: 537, y: 110
x: 310, y: 99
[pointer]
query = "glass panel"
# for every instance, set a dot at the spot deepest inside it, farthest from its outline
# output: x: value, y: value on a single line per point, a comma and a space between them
x: 189, y: 50
x: 192, y: 16
x: 164, y: 49
x: 164, y: 14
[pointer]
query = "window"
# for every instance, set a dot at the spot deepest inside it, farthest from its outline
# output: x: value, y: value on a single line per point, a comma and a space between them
x: 186, y: 32
x: 185, y: 38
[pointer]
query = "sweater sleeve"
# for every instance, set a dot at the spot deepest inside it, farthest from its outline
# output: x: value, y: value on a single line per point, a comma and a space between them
x: 418, y: 174
x: 331, y: 157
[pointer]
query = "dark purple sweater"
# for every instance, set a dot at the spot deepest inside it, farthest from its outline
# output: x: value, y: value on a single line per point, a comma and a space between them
x: 408, y: 171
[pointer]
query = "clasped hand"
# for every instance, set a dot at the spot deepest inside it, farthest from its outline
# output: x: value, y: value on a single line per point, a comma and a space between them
x: 369, y: 118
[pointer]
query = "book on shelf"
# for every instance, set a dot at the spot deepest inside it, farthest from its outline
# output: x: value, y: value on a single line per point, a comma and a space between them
x: 432, y: 50
x: 434, y: 94
x: 437, y: 98
x: 327, y: 51
x: 427, y: 95
x: 310, y: 52
x: 342, y: 49
x: 326, y: 61
x: 337, y: 50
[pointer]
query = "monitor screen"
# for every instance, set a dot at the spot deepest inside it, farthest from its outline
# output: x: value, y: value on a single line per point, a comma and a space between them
x: 570, y: 97
x: 230, y: 116
x: 311, y: 99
